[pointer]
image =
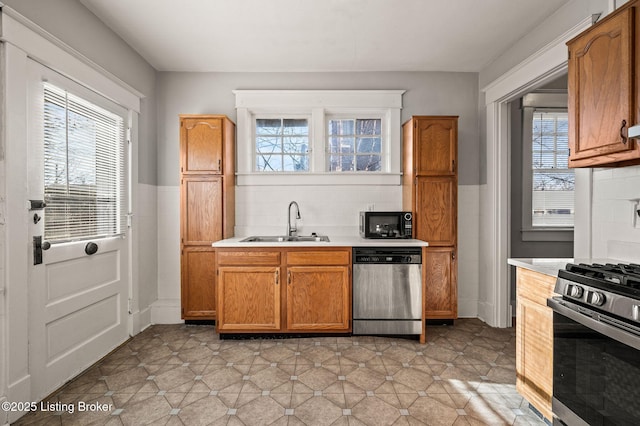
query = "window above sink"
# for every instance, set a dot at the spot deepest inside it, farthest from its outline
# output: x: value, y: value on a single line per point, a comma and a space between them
x: 318, y: 137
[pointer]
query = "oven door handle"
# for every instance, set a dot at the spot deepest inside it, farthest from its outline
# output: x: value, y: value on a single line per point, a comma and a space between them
x: 622, y: 336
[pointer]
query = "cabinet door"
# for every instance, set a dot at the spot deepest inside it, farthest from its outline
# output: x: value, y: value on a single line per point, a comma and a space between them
x: 435, y: 210
x: 201, y: 145
x: 534, y: 354
x: 318, y: 298
x: 248, y: 298
x: 201, y: 210
x: 601, y: 97
x: 441, y: 289
x: 436, y: 141
x: 198, y: 283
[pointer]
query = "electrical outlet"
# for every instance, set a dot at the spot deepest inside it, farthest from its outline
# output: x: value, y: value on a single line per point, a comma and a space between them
x: 635, y: 220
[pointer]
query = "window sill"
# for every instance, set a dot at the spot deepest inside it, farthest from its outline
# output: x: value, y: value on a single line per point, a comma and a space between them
x: 282, y: 179
x: 548, y: 234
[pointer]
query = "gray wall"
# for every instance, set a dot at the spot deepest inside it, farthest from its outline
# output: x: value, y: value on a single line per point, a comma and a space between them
x: 437, y: 93
x: 75, y: 25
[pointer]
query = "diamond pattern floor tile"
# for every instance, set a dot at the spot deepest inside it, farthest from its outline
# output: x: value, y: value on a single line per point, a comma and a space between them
x: 185, y: 375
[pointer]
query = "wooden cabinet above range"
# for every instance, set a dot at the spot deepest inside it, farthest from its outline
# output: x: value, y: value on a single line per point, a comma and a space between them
x: 604, y: 90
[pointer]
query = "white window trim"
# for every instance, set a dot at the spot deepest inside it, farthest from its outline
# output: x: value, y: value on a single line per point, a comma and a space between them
x: 319, y: 104
x: 529, y: 103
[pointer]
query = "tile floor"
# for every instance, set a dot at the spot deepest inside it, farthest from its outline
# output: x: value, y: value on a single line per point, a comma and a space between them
x: 186, y: 375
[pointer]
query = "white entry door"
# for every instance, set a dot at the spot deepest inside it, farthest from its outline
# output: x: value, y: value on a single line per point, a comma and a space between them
x: 78, y: 294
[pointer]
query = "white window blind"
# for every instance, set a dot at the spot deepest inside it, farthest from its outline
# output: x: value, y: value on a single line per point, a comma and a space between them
x: 84, y: 169
x: 553, y: 181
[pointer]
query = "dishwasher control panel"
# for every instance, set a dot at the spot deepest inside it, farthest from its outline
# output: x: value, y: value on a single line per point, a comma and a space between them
x: 389, y: 255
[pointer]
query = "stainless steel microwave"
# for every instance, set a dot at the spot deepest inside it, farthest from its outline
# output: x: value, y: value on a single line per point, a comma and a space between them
x: 386, y: 224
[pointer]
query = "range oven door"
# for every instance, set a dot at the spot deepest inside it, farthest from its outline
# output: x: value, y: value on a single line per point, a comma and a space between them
x: 596, y: 370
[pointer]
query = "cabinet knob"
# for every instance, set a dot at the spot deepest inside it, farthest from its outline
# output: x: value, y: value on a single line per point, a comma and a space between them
x: 622, y: 133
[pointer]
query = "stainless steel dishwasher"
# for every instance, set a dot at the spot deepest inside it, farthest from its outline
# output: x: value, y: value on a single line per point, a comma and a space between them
x: 387, y: 290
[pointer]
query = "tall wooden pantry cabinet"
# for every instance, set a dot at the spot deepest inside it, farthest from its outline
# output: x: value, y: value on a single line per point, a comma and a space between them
x: 207, y: 207
x: 430, y: 191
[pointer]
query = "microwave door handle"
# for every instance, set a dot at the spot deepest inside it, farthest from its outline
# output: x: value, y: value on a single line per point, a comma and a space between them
x: 605, y: 329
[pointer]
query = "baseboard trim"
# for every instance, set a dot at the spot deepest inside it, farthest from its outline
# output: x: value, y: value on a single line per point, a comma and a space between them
x: 166, y: 311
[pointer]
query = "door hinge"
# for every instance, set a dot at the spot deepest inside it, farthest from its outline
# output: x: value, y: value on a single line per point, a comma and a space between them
x: 129, y: 305
x: 128, y: 135
x: 129, y: 219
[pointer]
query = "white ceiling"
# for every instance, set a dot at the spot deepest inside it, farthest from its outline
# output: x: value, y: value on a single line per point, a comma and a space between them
x: 321, y: 35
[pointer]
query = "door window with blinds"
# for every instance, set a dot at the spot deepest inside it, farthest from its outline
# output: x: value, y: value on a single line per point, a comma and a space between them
x: 84, y: 168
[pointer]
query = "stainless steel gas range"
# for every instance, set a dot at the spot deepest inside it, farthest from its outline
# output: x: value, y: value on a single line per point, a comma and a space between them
x: 596, y: 338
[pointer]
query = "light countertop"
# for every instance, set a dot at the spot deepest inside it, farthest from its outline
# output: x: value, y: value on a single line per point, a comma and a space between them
x: 543, y: 266
x: 337, y: 241
x: 551, y: 266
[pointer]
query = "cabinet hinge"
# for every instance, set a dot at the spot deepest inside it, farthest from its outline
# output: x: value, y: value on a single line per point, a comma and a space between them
x: 218, y: 272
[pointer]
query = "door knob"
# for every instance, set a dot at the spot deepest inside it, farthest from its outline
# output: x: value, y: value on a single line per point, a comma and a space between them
x: 91, y: 248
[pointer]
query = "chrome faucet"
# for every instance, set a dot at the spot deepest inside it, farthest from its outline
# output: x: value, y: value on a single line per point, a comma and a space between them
x: 292, y: 231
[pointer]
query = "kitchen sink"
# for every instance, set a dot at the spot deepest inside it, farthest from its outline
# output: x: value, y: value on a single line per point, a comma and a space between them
x: 285, y: 239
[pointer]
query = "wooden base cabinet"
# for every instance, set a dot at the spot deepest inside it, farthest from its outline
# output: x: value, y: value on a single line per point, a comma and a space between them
x: 534, y: 339
x: 318, y: 298
x: 289, y: 290
x: 197, y: 290
x: 207, y: 207
x: 441, y: 293
x: 251, y: 298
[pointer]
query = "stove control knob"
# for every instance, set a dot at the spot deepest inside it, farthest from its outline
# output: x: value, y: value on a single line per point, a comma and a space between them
x: 575, y: 291
x: 597, y: 298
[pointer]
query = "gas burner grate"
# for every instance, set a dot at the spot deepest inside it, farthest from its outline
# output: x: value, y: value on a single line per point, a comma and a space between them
x: 620, y: 274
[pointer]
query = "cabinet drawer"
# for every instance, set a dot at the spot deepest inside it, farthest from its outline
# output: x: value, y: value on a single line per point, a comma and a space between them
x: 253, y: 258
x: 311, y: 258
x: 535, y: 286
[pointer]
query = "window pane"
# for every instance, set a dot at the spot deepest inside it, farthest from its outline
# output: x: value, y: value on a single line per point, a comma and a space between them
x: 348, y: 139
x: 282, y: 145
x: 369, y: 126
x: 268, y: 126
x: 369, y: 163
x: 553, y: 182
x: 269, y: 163
x: 295, y: 127
x: 265, y: 144
x: 369, y: 145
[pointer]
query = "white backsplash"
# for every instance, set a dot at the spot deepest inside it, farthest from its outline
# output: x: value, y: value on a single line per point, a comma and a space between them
x: 326, y: 210
x: 613, y: 233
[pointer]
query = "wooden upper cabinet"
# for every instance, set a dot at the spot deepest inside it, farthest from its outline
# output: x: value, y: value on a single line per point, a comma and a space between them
x: 435, y: 211
x: 436, y: 142
x: 201, y: 146
x: 201, y: 210
x: 603, y: 91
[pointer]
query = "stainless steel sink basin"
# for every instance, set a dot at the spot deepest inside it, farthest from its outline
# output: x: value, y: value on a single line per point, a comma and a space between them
x: 285, y: 239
